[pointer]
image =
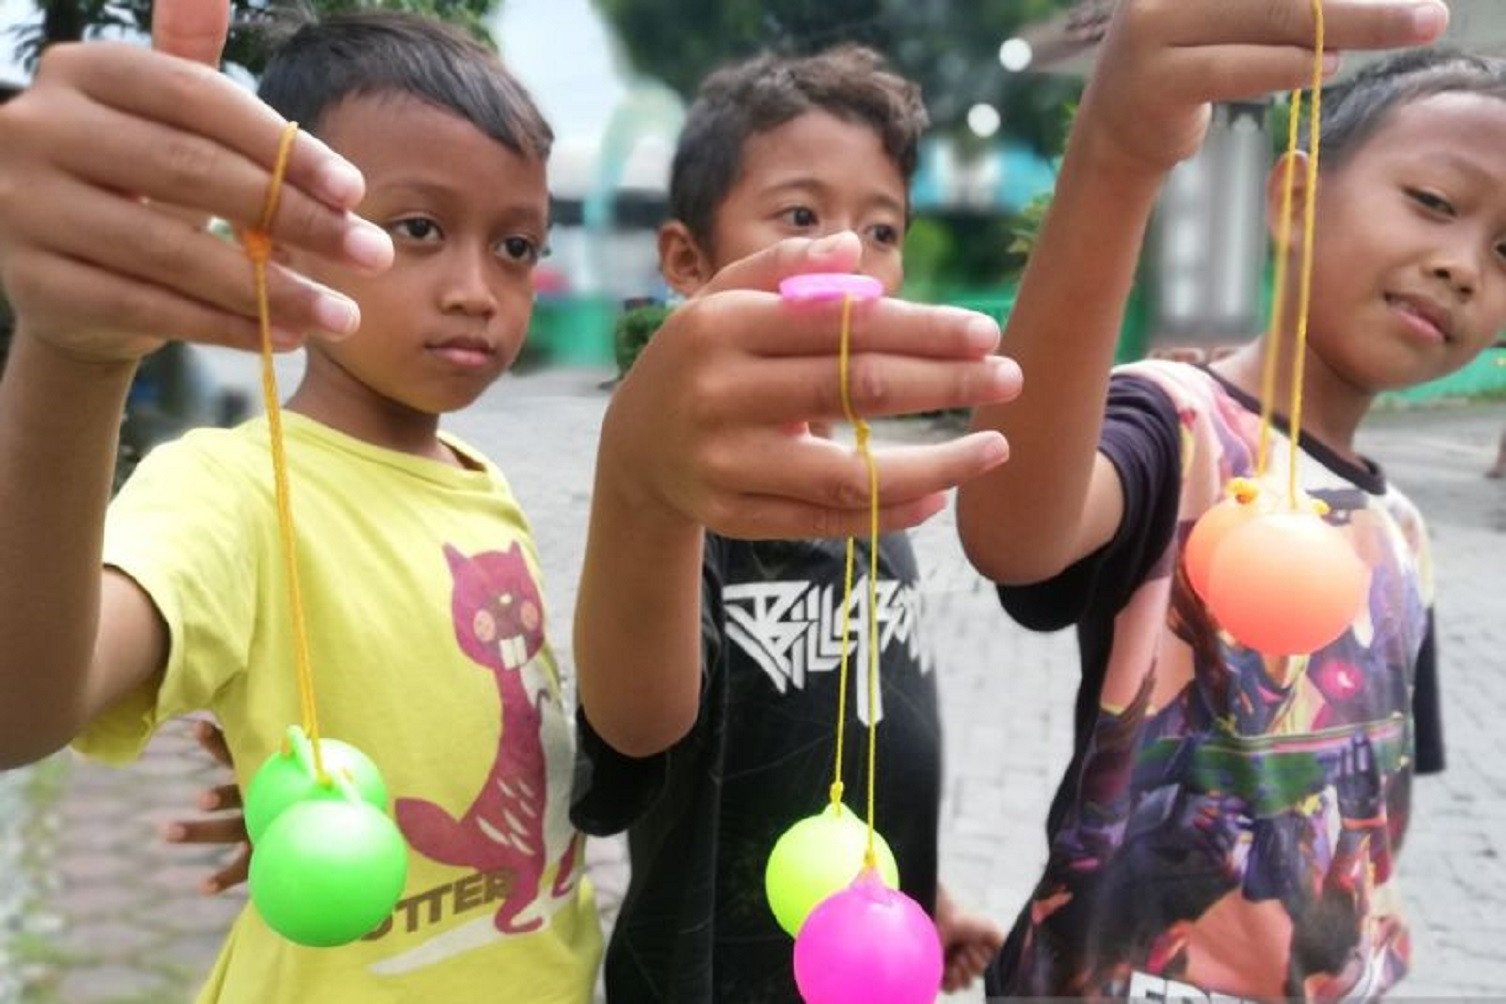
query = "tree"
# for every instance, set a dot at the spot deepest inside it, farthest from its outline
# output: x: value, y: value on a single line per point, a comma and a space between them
x: 75, y: 20
x: 949, y: 46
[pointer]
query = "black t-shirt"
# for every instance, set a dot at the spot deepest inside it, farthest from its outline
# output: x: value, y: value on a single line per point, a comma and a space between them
x: 1207, y: 783
x: 702, y: 817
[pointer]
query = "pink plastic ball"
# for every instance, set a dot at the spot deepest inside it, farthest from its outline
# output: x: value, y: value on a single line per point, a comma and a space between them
x: 1286, y: 583
x: 868, y: 944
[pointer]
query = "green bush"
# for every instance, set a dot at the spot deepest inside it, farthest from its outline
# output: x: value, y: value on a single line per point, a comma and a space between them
x: 635, y: 326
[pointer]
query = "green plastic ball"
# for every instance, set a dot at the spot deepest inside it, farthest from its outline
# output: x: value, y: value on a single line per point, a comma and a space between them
x: 818, y: 856
x: 288, y: 777
x: 328, y: 872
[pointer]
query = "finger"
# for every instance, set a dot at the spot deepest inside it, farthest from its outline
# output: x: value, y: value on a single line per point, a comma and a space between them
x: 773, y: 391
x: 212, y: 738
x: 194, y: 99
x: 1231, y: 72
x: 133, y: 240
x: 759, y: 518
x: 223, y: 796
x: 831, y: 476
x: 229, y: 829
x: 840, y: 252
x: 167, y: 164
x: 1348, y: 24
x: 81, y: 295
x: 764, y: 325
x: 191, y: 29
x: 232, y: 874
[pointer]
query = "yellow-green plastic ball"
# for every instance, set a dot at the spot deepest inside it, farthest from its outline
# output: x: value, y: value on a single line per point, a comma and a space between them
x: 328, y: 872
x: 818, y: 856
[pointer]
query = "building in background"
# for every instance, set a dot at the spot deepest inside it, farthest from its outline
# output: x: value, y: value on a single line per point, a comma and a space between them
x: 1206, y: 278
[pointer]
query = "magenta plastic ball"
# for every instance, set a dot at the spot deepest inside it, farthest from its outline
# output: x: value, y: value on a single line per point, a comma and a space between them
x: 868, y: 944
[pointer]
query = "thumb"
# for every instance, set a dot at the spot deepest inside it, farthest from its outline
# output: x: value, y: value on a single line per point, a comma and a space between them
x: 839, y: 252
x: 191, y: 29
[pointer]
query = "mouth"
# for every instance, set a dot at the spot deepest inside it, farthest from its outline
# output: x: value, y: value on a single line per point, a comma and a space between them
x: 514, y: 651
x: 464, y: 352
x: 1428, y: 321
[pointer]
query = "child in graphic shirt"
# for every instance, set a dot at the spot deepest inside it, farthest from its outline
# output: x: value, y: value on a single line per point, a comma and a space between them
x: 1230, y: 821
x: 426, y: 622
x: 772, y: 148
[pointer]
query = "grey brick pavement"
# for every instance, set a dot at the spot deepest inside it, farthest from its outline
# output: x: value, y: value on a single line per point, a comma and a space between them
x: 123, y: 922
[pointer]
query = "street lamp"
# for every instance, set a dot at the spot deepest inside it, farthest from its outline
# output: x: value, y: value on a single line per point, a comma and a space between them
x: 1015, y: 55
x: 983, y: 120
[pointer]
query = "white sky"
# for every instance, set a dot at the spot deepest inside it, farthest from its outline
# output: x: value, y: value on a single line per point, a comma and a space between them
x: 559, y: 48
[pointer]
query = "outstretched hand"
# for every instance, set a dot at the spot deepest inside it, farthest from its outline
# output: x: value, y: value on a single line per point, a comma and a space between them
x: 227, y: 829
x: 112, y: 158
x: 711, y: 426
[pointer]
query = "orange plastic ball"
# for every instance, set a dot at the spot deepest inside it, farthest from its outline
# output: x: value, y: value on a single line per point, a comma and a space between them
x: 1208, y: 533
x: 1286, y: 583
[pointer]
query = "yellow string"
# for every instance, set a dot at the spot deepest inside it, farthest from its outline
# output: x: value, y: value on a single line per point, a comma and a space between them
x: 843, y: 365
x: 863, y: 431
x: 258, y: 245
x: 1278, y: 294
x: 1309, y: 240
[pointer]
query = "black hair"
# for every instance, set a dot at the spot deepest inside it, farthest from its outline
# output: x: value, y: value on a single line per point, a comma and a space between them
x: 850, y: 82
x: 1354, y: 109
x: 324, y: 62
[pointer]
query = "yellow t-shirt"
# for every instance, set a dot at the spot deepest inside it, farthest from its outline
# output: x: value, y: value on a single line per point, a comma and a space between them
x: 426, y: 630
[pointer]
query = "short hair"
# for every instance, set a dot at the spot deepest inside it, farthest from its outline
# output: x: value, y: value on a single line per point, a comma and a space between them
x: 327, y: 61
x: 850, y: 82
x: 1354, y: 109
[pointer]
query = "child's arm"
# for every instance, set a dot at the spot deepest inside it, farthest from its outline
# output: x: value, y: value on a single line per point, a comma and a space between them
x: 707, y: 432
x: 99, y: 276
x: 1146, y: 108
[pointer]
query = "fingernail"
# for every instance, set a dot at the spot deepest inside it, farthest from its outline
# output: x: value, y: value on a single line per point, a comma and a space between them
x: 1429, y: 20
x: 175, y: 831
x: 209, y: 887
x: 1332, y: 61
x: 208, y: 800
x: 339, y: 183
x: 336, y: 314
x: 982, y: 331
x: 828, y: 245
x: 367, y: 244
x: 1005, y: 371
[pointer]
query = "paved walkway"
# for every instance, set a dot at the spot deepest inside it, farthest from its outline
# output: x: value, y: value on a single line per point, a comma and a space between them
x: 122, y: 922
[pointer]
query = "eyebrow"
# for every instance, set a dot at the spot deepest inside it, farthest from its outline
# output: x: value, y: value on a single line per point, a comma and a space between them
x: 1462, y: 164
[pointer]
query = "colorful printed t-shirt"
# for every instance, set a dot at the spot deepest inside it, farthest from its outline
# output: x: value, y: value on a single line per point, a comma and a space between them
x: 695, y: 924
x: 1229, y: 822
x: 427, y: 633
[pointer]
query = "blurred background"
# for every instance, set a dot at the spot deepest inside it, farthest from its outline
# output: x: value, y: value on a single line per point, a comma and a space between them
x: 94, y: 907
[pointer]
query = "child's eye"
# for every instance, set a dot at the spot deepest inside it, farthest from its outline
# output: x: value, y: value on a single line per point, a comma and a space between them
x: 801, y: 216
x: 520, y: 249
x: 416, y: 228
x: 1431, y: 201
x: 884, y: 233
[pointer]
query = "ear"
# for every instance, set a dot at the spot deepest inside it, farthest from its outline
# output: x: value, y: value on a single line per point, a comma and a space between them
x: 685, y: 267
x: 1275, y: 195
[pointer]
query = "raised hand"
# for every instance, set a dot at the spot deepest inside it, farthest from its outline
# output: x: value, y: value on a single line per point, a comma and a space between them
x: 710, y: 426
x: 1164, y: 61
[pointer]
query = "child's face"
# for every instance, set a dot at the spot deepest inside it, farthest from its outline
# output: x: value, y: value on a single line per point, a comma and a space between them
x: 468, y: 219
x: 1410, y: 272
x: 814, y: 175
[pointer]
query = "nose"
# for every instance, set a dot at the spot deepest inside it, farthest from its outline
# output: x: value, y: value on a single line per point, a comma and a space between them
x: 1458, y: 267
x: 466, y: 284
